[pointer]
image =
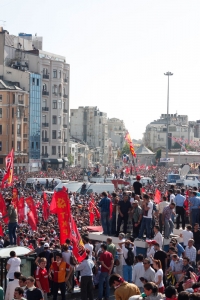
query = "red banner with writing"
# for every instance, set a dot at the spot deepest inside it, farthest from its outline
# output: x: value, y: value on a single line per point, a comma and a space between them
x: 31, y: 205
x: 21, y: 212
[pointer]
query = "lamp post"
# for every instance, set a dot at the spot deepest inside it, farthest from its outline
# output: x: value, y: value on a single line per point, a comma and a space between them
x: 167, y: 145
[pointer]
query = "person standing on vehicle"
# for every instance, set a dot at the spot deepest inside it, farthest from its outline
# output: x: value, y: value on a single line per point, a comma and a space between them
x: 124, y: 207
x: 13, y: 218
x: 147, y: 217
x: 137, y: 186
x: 104, y: 204
x: 179, y: 201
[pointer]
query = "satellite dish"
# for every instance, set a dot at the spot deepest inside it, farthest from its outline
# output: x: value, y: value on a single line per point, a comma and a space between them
x: 102, y: 170
x: 184, y: 171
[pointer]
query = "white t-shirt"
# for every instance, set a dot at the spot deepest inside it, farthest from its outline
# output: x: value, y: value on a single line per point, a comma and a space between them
x: 158, y: 273
x: 187, y: 235
x: 149, y: 215
x: 14, y: 263
x: 171, y: 198
x: 66, y: 256
x: 150, y: 252
x: 89, y: 247
x: 158, y: 238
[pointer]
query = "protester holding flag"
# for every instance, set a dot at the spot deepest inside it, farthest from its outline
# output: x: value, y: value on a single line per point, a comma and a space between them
x: 105, y: 204
x: 13, y: 218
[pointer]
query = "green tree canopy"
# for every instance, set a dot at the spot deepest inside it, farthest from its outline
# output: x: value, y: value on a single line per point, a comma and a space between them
x: 70, y: 159
x: 125, y: 149
x: 158, y: 154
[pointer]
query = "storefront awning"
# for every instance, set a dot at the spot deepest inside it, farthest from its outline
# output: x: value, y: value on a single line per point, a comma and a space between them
x: 65, y: 159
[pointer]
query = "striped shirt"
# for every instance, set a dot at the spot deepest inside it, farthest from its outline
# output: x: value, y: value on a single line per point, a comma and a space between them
x: 59, y: 272
x: 167, y: 211
x: 191, y: 253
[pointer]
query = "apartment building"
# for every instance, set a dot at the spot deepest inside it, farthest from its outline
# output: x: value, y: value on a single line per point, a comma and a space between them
x: 179, y: 130
x: 14, y: 125
x: 117, y: 132
x: 21, y: 56
x: 90, y: 125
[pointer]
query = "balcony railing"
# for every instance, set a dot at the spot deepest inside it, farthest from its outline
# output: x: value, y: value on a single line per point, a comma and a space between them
x: 25, y: 119
x: 45, y: 93
x: 45, y: 76
x: 45, y: 140
x: 20, y: 102
x: 45, y: 154
x: 45, y: 124
x: 55, y: 94
x: 64, y: 125
x: 25, y: 135
x: 65, y: 111
x: 65, y: 96
x: 45, y: 108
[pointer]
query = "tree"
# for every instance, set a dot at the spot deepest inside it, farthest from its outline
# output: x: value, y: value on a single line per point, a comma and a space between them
x: 158, y: 154
x: 70, y: 159
x: 125, y: 149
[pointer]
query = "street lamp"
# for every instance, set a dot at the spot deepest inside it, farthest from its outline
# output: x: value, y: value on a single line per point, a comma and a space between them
x: 167, y: 146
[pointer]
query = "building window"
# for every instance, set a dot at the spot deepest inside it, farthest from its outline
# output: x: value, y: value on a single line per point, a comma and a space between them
x: 53, y: 150
x: 18, y: 146
x: 60, y: 74
x: 72, y: 114
x: 55, y: 89
x: 1, y: 98
x: 59, y: 120
x: 13, y: 112
x: 43, y: 149
x: 37, y: 82
x: 55, y: 104
x: 44, y: 87
x: 59, y: 134
x: 18, y: 129
x: 0, y: 146
x: 13, y: 98
x: 59, y: 104
x: 12, y: 128
x: 1, y: 112
x: 54, y: 73
x: 33, y: 81
x: 0, y: 129
x: 54, y: 134
x: 1, y: 160
x: 45, y: 71
x: 54, y: 119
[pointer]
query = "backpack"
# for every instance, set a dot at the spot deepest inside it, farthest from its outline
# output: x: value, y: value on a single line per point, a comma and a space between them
x: 130, y: 257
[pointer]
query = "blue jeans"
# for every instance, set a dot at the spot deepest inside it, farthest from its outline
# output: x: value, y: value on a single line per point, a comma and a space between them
x: 127, y: 273
x: 103, y: 277
x: 12, y: 234
x: 169, y: 226
x: 105, y: 222
x: 146, y: 224
x: 195, y: 216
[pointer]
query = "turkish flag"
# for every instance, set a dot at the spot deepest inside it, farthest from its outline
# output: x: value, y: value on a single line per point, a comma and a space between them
x: 21, y: 212
x: 31, y: 205
x: 45, y: 207
x: 32, y: 220
x: 3, y: 209
x: 78, y: 246
x: 157, y: 196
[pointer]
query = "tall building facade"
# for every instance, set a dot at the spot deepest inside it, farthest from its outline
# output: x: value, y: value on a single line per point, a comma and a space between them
x: 46, y: 76
x: 117, y: 132
x: 14, y: 125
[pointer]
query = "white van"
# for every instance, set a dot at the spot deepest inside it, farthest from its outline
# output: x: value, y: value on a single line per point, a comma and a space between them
x: 72, y: 186
x: 42, y: 181
x: 90, y: 187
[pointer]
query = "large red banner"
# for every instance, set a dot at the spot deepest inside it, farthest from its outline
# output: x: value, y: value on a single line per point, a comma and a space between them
x: 78, y: 246
x: 21, y: 212
x: 3, y: 209
x: 31, y: 205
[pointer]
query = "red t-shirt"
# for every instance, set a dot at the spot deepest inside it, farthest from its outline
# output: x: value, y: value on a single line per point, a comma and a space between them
x: 42, y: 276
x: 106, y: 257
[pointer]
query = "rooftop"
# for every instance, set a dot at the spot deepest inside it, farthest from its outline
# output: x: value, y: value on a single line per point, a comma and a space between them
x: 9, y: 85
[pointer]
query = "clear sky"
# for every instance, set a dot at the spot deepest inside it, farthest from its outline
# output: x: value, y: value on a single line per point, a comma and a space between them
x: 118, y: 51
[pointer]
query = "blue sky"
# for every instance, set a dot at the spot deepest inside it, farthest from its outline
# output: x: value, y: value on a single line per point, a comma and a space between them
x: 118, y: 52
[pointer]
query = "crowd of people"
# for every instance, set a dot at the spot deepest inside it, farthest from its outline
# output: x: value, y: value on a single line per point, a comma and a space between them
x: 130, y: 215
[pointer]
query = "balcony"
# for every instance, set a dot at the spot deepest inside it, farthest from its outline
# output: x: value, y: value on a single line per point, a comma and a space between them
x: 65, y: 80
x: 45, y: 76
x: 65, y: 96
x: 45, y: 108
x: 45, y: 154
x: 21, y: 102
x: 45, y: 93
x: 65, y: 140
x: 25, y: 119
x: 25, y: 135
x: 64, y: 126
x: 55, y: 94
x: 45, y: 124
x: 45, y: 140
x: 65, y: 111
x: 60, y: 94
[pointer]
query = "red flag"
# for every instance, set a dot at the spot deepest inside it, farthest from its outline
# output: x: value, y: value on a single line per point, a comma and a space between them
x: 45, y: 207
x: 52, y: 207
x: 31, y: 205
x: 97, y: 213
x: 9, y: 170
x: 21, y: 212
x: 78, y: 246
x: 31, y: 220
x: 3, y: 209
x: 15, y: 197
x: 143, y: 190
x: 91, y: 211
x: 1, y: 230
x: 63, y: 212
x: 157, y: 196
x: 129, y: 141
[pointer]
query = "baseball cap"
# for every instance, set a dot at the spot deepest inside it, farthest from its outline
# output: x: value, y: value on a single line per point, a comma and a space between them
x: 152, y: 242
x: 46, y: 245
x: 138, y: 177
